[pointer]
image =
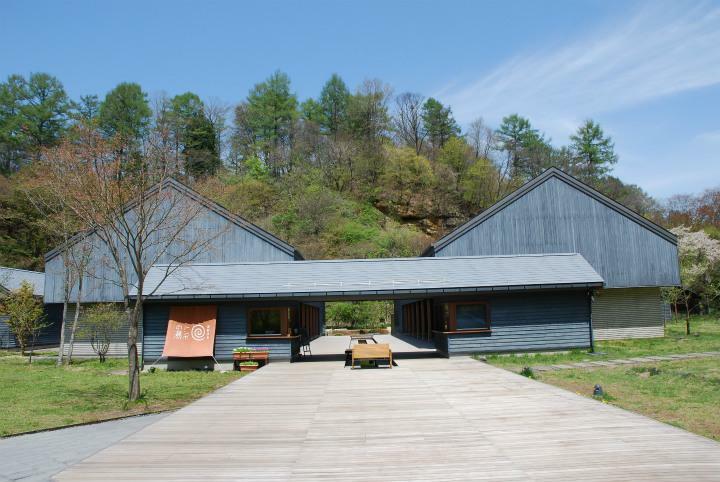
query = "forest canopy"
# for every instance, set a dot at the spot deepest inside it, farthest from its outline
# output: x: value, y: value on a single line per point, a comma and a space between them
x: 355, y: 171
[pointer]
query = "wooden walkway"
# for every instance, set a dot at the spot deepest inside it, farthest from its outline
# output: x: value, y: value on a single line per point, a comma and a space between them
x: 427, y: 419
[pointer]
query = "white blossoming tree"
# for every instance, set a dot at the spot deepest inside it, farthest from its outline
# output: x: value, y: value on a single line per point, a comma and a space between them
x: 699, y: 270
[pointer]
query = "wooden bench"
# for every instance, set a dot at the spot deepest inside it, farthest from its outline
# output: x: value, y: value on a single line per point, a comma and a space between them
x: 368, y: 352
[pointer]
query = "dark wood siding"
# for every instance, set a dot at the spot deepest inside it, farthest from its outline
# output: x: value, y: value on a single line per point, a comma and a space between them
x: 555, y: 217
x: 50, y: 335
x: 233, y: 244
x: 527, y: 322
x: 231, y: 332
x: 628, y: 313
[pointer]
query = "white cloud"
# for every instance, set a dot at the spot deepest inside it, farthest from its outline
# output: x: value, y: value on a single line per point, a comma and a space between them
x: 712, y: 137
x: 660, y: 50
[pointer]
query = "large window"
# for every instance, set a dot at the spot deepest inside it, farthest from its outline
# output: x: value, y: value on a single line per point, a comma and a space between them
x: 268, y: 321
x: 471, y: 316
x: 463, y: 316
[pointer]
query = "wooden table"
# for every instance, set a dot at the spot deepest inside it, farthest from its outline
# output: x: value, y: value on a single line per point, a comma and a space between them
x: 365, y: 352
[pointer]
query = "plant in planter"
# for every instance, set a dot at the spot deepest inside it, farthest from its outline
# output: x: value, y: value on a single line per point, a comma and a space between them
x: 248, y: 366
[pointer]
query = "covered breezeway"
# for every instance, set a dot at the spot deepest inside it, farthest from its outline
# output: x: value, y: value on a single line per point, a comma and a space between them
x: 449, y: 305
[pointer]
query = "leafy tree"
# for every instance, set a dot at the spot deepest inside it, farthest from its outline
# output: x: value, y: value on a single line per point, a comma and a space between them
x: 479, y: 185
x: 594, y: 152
x: 334, y: 99
x: 34, y: 114
x: 312, y: 111
x: 25, y: 315
x: 370, y: 315
x: 192, y: 134
x: 100, y: 323
x: 515, y: 135
x: 456, y: 154
x: 125, y: 112
x: 200, y: 149
x: 699, y: 267
x: 368, y: 118
x: 439, y: 123
x: 88, y: 108
x: 269, y: 117
x: 407, y: 176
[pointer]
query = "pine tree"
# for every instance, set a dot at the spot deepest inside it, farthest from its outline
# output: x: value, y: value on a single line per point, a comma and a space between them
x: 439, y: 123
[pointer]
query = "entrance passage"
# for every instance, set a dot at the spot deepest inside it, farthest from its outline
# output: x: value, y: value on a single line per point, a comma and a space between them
x: 350, y: 323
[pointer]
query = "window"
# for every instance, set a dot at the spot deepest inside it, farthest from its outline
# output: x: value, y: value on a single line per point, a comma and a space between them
x: 464, y: 316
x: 471, y: 316
x: 268, y: 321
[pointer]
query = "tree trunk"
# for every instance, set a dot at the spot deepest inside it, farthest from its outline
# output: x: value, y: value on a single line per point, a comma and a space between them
x: 71, y: 344
x: 133, y: 364
x: 687, y: 318
x: 62, y: 333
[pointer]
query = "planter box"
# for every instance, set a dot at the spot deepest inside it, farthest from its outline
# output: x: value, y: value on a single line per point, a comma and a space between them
x: 248, y: 368
x: 252, y: 356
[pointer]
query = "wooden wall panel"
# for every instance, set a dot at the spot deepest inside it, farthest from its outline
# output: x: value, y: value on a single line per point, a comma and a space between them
x: 558, y: 218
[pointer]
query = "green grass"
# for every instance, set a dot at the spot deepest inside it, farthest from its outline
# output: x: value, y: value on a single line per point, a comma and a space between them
x: 41, y: 395
x: 684, y: 393
x: 705, y: 336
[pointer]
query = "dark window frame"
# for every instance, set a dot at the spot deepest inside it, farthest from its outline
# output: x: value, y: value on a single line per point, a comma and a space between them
x: 452, y: 322
x: 285, y: 321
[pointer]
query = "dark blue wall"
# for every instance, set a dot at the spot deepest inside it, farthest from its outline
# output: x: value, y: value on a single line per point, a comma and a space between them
x: 526, y: 322
x: 50, y: 335
x: 231, y: 331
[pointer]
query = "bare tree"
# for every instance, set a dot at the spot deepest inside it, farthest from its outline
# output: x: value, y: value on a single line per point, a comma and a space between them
x: 481, y: 138
x: 64, y: 225
x: 408, y: 120
x: 78, y: 260
x: 139, y: 215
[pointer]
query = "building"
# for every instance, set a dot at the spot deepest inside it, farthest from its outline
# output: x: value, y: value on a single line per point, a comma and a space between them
x: 10, y: 280
x: 556, y: 213
x: 552, y: 266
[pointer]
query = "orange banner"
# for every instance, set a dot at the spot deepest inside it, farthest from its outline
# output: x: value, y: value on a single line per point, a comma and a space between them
x: 191, y: 331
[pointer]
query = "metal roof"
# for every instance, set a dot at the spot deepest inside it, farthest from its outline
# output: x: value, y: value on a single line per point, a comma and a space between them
x: 367, y: 277
x: 552, y: 172
x: 12, y: 278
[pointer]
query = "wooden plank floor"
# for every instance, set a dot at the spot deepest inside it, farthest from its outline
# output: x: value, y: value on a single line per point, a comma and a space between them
x: 427, y: 419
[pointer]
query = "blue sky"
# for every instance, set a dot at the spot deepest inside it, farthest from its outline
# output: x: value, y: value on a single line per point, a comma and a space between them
x: 649, y: 72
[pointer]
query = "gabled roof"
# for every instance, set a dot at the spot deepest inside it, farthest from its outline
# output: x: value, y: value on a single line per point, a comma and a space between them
x: 211, y: 205
x: 551, y: 173
x: 12, y: 278
x: 370, y: 277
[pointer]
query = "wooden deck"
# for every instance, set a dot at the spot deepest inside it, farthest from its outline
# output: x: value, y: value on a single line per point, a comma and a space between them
x: 427, y: 419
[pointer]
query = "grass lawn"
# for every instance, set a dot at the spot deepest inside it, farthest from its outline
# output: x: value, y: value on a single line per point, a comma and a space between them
x: 705, y: 336
x: 41, y: 395
x: 683, y: 393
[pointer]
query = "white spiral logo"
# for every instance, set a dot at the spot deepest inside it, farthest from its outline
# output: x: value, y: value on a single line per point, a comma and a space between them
x: 198, y: 332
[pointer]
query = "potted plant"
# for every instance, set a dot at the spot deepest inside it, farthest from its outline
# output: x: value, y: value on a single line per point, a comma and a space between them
x: 242, y: 353
x: 246, y: 353
x: 248, y: 366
